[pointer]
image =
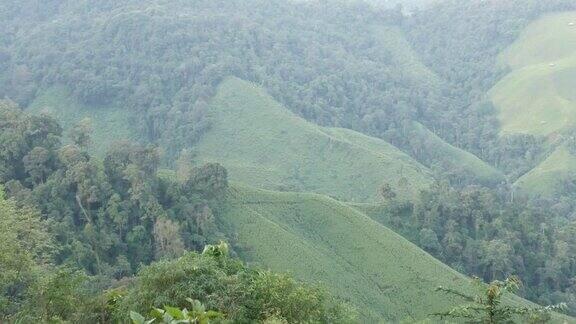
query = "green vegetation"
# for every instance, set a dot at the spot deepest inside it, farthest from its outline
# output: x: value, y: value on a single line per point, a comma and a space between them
x: 446, y: 160
x: 158, y: 60
x: 491, y: 235
x: 546, y: 40
x: 338, y: 100
x: 486, y: 306
x: 109, y: 216
x: 264, y: 145
x: 109, y: 123
x: 172, y: 315
x: 537, y: 97
x: 24, y: 247
x: 239, y: 293
x: 460, y: 42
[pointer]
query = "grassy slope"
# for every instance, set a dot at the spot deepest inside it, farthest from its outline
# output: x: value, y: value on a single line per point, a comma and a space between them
x: 538, y: 96
x: 546, y: 179
x: 451, y: 157
x: 265, y: 145
x: 109, y: 123
x: 319, y: 239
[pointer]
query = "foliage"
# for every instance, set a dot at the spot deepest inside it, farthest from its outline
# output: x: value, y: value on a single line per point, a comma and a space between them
x: 172, y: 315
x: 24, y: 247
x: 547, y: 179
x: 350, y: 65
x: 486, y: 306
x: 229, y: 287
x: 107, y: 216
x: 387, y: 71
x: 31, y: 288
x: 482, y: 233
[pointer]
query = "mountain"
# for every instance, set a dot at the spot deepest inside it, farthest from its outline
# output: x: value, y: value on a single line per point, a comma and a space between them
x: 319, y: 239
x: 263, y: 144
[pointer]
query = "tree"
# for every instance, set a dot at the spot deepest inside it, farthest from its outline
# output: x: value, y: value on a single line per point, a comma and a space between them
x: 172, y: 315
x: 184, y: 166
x: 81, y: 133
x: 487, y: 306
x: 167, y: 240
x: 386, y: 192
x: 227, y: 286
x: 36, y: 164
x: 429, y: 241
x: 24, y: 247
x: 210, y: 179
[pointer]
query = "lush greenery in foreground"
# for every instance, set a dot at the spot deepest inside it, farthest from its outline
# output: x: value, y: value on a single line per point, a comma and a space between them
x: 34, y: 290
x: 109, y: 216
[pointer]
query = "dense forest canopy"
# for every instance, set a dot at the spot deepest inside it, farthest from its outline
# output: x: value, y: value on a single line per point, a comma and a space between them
x: 412, y: 75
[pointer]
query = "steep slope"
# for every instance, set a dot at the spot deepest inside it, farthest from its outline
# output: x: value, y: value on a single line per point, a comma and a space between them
x: 265, y: 145
x: 109, y: 123
x: 538, y: 96
x: 547, y: 178
x: 449, y: 158
x: 319, y: 239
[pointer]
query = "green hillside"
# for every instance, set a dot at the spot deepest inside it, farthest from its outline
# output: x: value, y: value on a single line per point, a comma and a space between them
x: 538, y: 96
x: 319, y: 239
x: 450, y: 158
x: 547, y: 178
x: 265, y: 145
x: 109, y: 123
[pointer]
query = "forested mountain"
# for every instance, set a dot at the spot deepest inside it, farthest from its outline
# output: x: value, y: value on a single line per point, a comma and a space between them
x: 450, y: 122
x: 350, y: 68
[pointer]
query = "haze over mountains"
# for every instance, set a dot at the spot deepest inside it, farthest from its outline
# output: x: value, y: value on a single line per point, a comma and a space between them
x: 336, y: 122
